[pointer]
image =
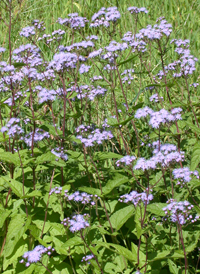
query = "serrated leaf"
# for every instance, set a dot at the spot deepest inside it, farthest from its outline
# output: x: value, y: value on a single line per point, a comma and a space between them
x: 90, y: 190
x: 195, y: 159
x: 4, y: 213
x: 35, y: 193
x: 106, y: 155
x: 115, y: 182
x: 9, y: 157
x: 172, y: 267
x: 160, y: 256
x: 141, y: 254
x: 119, y: 249
x: 16, y: 186
x: 127, y: 60
x: 119, y: 218
x: 16, y: 229
x: 72, y: 242
x: 157, y: 209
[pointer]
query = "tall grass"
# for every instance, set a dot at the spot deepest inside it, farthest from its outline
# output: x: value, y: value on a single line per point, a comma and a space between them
x: 182, y: 14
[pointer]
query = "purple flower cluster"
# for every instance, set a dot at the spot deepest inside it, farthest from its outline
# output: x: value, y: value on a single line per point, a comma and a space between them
x: 136, y: 42
x: 45, y: 95
x: 2, y: 49
x: 60, y: 153
x: 83, y: 128
x: 137, y: 10
x: 185, y: 65
x: 155, y: 32
x: 27, y: 54
x: 96, y: 78
x: 155, y: 98
x: 87, y: 258
x: 76, y: 223
x: 81, y: 197
x: 104, y: 16
x: 77, y: 46
x: 90, y: 92
x: 83, y: 68
x: 179, y: 212
x: 62, y: 61
x: 163, y: 155
x: 39, y: 135
x: 115, y: 46
x: 128, y: 76
x: 96, y: 136
x: 95, y: 53
x: 27, y: 31
x: 134, y: 197
x: 56, y: 35
x: 12, y: 127
x: 195, y: 85
x: 35, y: 255
x: 127, y: 160
x: 184, y: 175
x: 159, y: 117
x: 74, y: 21
x: 56, y: 190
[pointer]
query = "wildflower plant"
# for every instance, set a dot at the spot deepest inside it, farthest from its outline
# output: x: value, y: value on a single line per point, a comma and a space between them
x: 99, y: 147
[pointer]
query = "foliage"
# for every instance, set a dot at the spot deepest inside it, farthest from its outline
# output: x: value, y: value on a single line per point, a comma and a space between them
x: 99, y: 146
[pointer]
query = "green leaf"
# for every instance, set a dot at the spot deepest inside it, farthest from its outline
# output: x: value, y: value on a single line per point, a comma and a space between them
x: 4, y: 213
x: 193, y: 127
x: 90, y: 190
x: 35, y: 232
x: 138, y: 221
x: 115, y: 182
x: 119, y: 250
x: 16, y: 229
x: 141, y: 254
x: 127, y: 60
x: 195, y: 159
x: 72, y: 242
x: 106, y: 155
x: 19, y: 65
x: 9, y: 157
x: 193, y: 245
x: 119, y: 218
x: 160, y: 256
x: 35, y: 193
x: 157, y: 209
x: 172, y: 267
x: 46, y: 157
x: 16, y: 186
x: 112, y: 121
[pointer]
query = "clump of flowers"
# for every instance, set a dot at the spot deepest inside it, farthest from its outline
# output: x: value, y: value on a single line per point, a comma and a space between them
x: 82, y: 197
x: 183, y: 175
x: 56, y: 190
x: 60, y: 153
x: 163, y: 155
x: 104, y: 16
x: 87, y: 258
x: 127, y: 160
x: 134, y: 197
x: 12, y: 127
x: 76, y: 223
x: 73, y: 21
x: 179, y: 212
x: 159, y: 117
x: 35, y: 255
x: 96, y: 136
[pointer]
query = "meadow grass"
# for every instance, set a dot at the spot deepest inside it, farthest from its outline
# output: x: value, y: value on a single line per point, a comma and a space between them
x: 182, y: 14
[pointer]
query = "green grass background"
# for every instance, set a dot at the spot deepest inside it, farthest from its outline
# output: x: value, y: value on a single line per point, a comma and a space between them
x: 184, y: 15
